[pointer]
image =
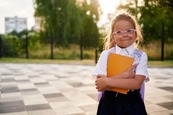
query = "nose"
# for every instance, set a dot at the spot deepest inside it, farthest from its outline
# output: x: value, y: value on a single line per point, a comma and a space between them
x: 125, y: 33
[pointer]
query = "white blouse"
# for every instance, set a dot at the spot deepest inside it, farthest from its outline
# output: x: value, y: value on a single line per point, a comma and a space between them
x: 141, y: 62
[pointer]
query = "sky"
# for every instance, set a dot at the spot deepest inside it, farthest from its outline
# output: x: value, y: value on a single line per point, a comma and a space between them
x: 24, y: 9
x: 19, y: 8
x: 107, y: 6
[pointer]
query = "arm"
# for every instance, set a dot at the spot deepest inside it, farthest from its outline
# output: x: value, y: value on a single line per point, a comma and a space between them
x: 129, y: 73
x: 130, y: 83
x: 101, y: 64
x: 105, y: 83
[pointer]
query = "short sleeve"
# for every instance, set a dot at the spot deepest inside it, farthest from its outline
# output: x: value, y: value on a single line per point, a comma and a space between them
x: 141, y: 68
x: 101, y: 65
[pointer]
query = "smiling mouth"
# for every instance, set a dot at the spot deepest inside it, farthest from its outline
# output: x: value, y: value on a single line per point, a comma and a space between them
x: 125, y: 39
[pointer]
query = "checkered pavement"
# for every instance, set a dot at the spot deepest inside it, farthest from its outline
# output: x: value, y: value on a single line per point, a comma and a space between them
x: 61, y: 89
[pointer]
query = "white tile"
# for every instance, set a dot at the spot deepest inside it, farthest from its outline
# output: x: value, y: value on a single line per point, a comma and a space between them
x: 15, y: 113
x: 154, y: 108
x: 7, y: 97
x: 64, y: 108
x: 42, y: 112
x: 158, y: 99
x: 34, y: 99
x: 79, y: 98
x: 48, y: 90
x: 27, y: 85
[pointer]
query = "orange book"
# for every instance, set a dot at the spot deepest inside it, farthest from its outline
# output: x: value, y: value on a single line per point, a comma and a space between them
x: 116, y: 65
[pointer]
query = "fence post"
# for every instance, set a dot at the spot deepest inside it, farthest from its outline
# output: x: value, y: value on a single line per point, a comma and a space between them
x: 81, y: 48
x: 51, y: 46
x: 162, y: 42
x: 0, y: 46
x: 26, y: 46
x: 96, y: 55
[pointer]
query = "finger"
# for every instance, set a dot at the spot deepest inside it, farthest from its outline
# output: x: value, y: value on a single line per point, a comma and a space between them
x: 99, y: 76
x: 134, y: 66
x: 96, y: 84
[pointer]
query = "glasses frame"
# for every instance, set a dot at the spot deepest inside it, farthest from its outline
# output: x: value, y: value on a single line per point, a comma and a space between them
x: 122, y: 32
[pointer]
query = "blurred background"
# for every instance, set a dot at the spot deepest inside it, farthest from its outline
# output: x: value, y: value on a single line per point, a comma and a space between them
x: 74, y: 29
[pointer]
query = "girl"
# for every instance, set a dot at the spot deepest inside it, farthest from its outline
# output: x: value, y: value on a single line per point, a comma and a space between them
x: 124, y: 35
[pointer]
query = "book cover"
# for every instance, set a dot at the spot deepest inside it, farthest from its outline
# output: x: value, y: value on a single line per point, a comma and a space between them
x: 116, y: 65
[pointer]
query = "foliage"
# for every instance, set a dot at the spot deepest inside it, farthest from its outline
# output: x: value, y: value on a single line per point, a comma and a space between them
x: 153, y: 50
x: 72, y: 52
x: 14, y: 44
x: 66, y: 21
x: 152, y: 15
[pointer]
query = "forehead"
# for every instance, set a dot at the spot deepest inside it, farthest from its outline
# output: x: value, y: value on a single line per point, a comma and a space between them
x: 123, y: 25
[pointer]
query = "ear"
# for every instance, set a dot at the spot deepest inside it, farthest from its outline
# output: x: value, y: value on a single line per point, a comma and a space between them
x: 113, y: 38
x: 136, y: 34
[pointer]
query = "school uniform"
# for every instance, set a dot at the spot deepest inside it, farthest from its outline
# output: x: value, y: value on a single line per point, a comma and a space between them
x: 114, y: 103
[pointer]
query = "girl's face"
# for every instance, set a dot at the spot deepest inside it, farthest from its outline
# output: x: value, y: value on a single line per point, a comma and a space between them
x: 124, y: 33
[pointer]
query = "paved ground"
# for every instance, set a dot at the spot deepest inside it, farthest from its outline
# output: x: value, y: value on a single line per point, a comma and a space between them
x: 52, y: 89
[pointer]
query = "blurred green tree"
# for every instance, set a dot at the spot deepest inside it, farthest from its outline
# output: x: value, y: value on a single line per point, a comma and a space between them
x: 66, y: 21
x: 150, y: 15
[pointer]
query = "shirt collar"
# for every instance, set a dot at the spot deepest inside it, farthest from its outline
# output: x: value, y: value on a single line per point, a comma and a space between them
x: 129, y: 49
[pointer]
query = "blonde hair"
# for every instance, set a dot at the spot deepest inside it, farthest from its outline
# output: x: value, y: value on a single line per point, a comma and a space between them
x: 109, y: 40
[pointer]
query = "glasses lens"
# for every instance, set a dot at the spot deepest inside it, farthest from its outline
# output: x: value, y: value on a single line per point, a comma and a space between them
x: 121, y: 32
x: 130, y: 31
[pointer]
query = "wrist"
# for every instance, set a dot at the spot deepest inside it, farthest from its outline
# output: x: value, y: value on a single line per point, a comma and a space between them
x: 108, y: 81
x: 125, y: 74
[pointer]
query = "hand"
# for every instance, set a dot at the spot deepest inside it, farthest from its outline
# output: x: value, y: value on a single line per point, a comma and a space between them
x: 102, y: 83
x: 100, y: 75
x: 130, y: 73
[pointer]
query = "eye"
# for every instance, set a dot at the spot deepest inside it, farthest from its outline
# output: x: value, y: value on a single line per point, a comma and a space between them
x: 119, y: 32
x: 130, y: 30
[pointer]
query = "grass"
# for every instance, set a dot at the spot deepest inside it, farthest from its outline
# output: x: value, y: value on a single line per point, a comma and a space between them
x: 46, y: 61
x: 165, y: 63
x: 72, y: 52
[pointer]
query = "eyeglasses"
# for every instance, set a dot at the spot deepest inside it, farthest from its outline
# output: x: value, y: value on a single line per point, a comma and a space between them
x: 120, y: 33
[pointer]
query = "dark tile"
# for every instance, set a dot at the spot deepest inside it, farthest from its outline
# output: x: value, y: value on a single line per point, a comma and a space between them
x: 18, y: 73
x: 53, y: 95
x: 8, y: 80
x: 9, y: 89
x: 33, y: 76
x: 23, y: 81
x: 41, y: 83
x: 15, y: 106
x: 28, y: 90
x: 94, y: 96
x: 38, y: 107
x: 167, y: 88
x: 77, y: 114
x: 88, y: 108
x: 4, y: 74
x: 61, y: 76
x: 168, y: 105
x: 170, y: 97
x: 76, y: 84
x: 70, y: 72
x: 164, y: 78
